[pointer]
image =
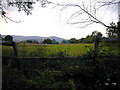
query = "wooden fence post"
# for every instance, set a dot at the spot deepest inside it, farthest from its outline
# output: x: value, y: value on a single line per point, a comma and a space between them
x: 96, y: 47
x: 15, y: 49
x: 8, y: 41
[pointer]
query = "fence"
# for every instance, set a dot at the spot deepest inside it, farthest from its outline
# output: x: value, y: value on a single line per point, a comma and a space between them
x: 97, y: 41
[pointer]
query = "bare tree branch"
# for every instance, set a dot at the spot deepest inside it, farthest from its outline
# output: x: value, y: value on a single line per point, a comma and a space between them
x: 93, y: 19
x: 5, y: 17
x: 90, y: 11
x: 74, y: 15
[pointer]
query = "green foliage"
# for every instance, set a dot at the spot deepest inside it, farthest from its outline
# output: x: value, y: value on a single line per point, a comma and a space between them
x: 61, y: 53
x: 83, y: 74
x: 90, y: 52
x: 24, y: 50
x: 8, y: 38
x: 73, y: 40
x: 54, y: 42
x: 87, y: 39
x: 72, y: 84
x: 7, y: 51
x: 91, y: 38
x: 31, y: 51
x: 109, y: 49
x: 112, y: 32
x: 65, y: 42
x: 30, y: 41
x: 96, y: 33
x: 47, y: 41
x: 62, y: 50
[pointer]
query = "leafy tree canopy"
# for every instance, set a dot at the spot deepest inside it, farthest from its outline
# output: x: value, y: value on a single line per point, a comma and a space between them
x: 8, y: 38
x: 112, y: 32
x: 73, y: 40
x: 47, y: 41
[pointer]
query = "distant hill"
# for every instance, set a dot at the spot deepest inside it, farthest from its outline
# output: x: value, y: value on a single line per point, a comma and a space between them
x: 18, y: 38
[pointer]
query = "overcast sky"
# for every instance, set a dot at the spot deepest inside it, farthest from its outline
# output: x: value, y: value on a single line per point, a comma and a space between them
x: 51, y: 22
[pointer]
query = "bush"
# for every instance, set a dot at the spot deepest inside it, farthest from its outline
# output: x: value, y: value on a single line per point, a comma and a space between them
x: 85, y: 74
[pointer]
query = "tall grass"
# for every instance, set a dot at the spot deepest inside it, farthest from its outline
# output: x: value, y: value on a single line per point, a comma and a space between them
x: 48, y: 50
x: 60, y: 50
x: 109, y: 48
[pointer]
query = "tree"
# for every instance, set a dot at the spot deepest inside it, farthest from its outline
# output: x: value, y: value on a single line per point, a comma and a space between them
x: 65, y: 42
x: 73, y: 40
x: 47, y: 41
x: 111, y: 32
x: 8, y: 38
x: 99, y: 34
x: 54, y: 41
x: 35, y: 41
x: 81, y: 40
x: 91, y: 38
x: 96, y: 33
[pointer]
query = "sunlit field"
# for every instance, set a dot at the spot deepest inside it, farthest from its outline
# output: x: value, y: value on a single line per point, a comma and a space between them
x: 37, y: 50
x: 58, y: 50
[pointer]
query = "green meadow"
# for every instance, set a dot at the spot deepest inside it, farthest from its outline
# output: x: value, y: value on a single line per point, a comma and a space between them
x: 58, y: 50
x: 48, y: 50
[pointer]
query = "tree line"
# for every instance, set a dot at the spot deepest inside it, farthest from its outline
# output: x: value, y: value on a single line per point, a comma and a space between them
x: 45, y: 41
x: 87, y: 39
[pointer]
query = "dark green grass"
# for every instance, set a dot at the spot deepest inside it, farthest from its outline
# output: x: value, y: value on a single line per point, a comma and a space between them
x: 78, y: 74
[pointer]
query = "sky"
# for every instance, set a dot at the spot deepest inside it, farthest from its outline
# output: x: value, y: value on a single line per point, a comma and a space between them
x: 51, y: 21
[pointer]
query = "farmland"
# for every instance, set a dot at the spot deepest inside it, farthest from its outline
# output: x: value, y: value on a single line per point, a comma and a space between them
x: 28, y: 50
x: 58, y: 50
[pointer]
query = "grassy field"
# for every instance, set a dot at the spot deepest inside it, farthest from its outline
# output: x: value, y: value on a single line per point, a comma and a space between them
x: 59, y: 50
x: 29, y: 50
